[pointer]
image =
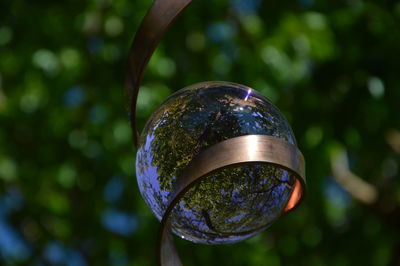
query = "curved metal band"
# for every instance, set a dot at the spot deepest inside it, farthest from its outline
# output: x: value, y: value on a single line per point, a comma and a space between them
x: 156, y: 22
x: 239, y: 150
x: 245, y: 149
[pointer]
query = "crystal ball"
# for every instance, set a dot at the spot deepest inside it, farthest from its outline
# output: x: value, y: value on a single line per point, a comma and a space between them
x: 226, y: 206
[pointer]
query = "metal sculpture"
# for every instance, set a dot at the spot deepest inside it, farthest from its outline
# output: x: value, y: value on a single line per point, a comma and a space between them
x: 277, y: 152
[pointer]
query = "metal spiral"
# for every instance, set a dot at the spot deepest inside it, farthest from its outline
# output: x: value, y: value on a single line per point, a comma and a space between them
x: 228, y: 153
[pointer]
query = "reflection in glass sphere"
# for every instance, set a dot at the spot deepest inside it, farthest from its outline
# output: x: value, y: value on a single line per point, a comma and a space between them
x: 232, y: 204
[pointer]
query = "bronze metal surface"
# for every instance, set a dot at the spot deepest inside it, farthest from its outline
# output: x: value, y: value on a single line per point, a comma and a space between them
x: 156, y: 22
x: 235, y: 151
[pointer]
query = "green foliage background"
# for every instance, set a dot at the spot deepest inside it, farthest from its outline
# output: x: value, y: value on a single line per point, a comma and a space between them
x: 68, y: 194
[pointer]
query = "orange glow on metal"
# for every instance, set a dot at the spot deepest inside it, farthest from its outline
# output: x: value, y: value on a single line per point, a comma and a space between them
x: 295, y: 197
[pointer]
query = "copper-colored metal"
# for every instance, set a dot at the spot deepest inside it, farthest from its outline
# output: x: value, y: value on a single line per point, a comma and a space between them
x: 244, y: 149
x: 235, y: 151
x: 156, y: 22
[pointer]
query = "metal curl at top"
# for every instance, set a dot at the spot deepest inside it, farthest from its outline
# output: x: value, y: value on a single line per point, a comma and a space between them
x: 156, y: 22
x: 228, y: 153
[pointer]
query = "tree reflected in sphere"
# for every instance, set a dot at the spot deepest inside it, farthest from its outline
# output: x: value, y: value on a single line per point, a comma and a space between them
x: 229, y: 205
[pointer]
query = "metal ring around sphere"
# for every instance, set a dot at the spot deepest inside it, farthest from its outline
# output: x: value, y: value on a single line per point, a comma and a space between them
x: 234, y: 151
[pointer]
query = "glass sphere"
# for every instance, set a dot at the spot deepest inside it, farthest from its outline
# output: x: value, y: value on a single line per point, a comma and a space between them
x: 229, y: 205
